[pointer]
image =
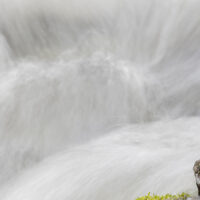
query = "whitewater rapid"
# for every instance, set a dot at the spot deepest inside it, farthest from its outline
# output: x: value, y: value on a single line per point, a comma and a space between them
x: 99, y: 100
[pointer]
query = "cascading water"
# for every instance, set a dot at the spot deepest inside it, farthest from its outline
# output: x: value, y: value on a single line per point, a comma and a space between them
x: 99, y: 100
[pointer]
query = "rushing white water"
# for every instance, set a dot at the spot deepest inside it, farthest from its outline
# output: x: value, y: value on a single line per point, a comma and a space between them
x: 99, y: 99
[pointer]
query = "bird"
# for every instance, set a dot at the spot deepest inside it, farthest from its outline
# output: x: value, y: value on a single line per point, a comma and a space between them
x: 196, y: 170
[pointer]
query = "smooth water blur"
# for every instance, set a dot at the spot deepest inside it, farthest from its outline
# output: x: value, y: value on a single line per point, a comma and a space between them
x: 98, y: 99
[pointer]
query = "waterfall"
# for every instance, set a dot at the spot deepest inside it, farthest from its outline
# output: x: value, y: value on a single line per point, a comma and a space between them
x: 99, y: 100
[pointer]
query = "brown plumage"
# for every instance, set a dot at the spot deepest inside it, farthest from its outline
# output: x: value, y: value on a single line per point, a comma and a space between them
x: 196, y: 170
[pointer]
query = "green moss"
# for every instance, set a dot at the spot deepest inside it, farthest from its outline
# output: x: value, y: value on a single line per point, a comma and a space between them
x: 182, y: 196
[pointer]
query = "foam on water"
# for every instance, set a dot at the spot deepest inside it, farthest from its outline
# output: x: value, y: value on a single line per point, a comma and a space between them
x: 98, y: 99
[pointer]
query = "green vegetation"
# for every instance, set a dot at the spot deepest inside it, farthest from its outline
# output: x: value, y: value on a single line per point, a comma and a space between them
x: 182, y: 196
